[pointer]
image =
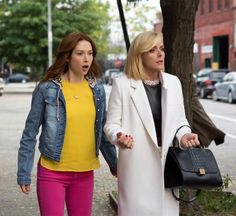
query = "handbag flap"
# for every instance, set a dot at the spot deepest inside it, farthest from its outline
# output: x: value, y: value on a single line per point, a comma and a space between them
x: 195, y: 160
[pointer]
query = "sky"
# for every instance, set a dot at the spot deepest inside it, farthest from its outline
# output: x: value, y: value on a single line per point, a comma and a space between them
x: 153, y: 5
x: 116, y: 36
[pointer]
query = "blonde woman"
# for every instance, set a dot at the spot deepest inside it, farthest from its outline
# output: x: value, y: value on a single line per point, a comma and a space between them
x: 145, y: 110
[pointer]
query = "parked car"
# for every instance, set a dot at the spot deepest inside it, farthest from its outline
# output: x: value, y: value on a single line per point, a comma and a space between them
x: 206, y: 79
x: 17, y: 78
x: 226, y: 90
x: 107, y: 74
x: 113, y: 75
x: 1, y: 86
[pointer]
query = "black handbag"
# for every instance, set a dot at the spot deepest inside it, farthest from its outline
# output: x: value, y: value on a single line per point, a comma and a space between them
x: 192, y: 168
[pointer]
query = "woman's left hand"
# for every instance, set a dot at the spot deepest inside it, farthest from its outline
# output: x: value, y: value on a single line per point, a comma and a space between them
x: 189, y: 140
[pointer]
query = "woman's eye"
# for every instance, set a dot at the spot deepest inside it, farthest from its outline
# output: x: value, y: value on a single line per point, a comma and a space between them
x: 152, y: 50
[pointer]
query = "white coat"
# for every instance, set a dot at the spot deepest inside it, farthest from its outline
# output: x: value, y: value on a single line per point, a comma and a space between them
x: 141, y: 189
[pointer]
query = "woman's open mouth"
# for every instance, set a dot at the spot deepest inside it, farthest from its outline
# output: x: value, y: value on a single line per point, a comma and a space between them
x: 85, y: 67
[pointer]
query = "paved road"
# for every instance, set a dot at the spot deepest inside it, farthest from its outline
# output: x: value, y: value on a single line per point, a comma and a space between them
x: 13, y: 111
x: 224, y: 117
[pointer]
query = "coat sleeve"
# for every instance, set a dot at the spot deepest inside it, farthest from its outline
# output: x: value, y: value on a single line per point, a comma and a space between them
x: 114, y: 113
x: 182, y: 120
x: 28, y: 141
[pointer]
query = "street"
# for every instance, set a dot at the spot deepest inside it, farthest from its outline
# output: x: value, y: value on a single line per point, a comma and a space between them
x: 14, y: 109
x: 224, y: 117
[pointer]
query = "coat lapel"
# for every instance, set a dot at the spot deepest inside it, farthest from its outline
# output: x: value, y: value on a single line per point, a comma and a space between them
x: 164, y: 114
x: 140, y: 100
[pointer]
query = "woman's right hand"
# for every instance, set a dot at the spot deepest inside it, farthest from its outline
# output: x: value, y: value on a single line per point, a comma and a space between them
x: 125, y: 140
x: 25, y: 189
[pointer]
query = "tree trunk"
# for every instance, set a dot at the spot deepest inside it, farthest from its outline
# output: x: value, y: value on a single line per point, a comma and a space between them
x: 123, y: 24
x: 178, y: 33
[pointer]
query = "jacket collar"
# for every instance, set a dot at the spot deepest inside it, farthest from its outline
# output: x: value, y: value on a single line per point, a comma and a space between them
x: 90, y: 79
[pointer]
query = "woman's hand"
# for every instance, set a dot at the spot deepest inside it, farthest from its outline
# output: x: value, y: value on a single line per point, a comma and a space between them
x: 25, y: 189
x: 124, y: 140
x: 189, y: 140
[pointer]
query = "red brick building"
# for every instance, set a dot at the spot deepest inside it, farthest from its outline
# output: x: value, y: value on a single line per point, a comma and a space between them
x: 215, y: 34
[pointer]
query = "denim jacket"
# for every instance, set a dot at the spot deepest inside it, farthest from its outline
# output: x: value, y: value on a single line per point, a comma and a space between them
x: 48, y: 109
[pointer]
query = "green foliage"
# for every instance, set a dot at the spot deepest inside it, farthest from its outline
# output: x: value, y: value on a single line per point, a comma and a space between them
x: 139, y: 24
x: 226, y: 181
x: 211, y: 202
x: 23, y: 27
x: 217, y: 201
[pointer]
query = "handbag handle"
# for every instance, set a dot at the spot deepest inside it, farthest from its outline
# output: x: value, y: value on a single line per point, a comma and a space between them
x: 175, y: 144
x: 186, y: 200
x: 175, y: 140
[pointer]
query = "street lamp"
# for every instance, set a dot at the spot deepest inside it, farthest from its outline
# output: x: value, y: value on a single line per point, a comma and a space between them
x: 49, y: 33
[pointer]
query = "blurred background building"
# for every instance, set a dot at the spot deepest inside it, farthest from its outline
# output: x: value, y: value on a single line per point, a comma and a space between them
x: 215, y: 35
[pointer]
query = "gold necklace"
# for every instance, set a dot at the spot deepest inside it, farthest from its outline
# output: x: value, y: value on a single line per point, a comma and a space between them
x: 76, y: 97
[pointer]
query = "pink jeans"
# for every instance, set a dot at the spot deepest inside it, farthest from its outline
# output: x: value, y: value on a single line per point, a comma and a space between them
x: 55, y: 188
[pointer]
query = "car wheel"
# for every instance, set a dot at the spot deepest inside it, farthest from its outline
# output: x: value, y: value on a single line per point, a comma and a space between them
x: 202, y: 93
x: 214, y: 96
x: 230, y: 97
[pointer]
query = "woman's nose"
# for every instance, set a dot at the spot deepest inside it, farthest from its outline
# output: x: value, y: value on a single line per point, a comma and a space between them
x: 159, y: 52
x: 85, y: 57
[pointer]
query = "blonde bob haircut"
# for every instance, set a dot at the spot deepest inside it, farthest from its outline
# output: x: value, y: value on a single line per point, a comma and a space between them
x: 143, y: 43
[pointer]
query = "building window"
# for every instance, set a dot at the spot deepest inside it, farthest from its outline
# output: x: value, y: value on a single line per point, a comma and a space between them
x: 210, y: 2
x: 202, y: 7
x: 219, y: 4
x: 207, y: 63
x: 227, y: 3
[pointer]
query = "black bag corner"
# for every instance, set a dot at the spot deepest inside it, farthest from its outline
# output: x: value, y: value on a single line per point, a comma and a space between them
x: 193, y: 168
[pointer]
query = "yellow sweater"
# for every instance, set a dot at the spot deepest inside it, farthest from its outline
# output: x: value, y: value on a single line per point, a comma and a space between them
x: 78, y: 152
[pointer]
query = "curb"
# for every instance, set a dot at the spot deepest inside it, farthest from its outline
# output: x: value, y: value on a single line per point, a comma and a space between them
x: 17, y: 92
x: 19, y: 88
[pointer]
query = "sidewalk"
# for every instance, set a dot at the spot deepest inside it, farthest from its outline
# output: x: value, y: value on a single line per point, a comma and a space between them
x: 232, y: 185
x: 19, y: 88
x: 104, y: 181
x: 104, y: 184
